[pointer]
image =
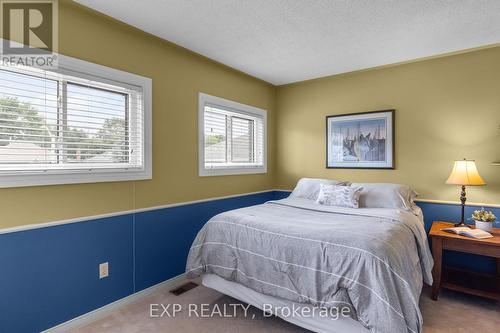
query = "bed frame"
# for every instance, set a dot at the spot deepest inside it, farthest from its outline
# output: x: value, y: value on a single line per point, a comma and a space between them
x: 319, y: 324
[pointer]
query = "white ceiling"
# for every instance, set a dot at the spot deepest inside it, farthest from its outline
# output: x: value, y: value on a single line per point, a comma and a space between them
x: 284, y: 41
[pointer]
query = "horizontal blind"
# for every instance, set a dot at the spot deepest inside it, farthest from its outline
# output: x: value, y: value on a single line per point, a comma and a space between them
x: 54, y: 121
x: 232, y: 138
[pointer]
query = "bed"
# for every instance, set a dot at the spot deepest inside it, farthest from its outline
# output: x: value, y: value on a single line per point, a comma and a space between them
x: 371, y: 262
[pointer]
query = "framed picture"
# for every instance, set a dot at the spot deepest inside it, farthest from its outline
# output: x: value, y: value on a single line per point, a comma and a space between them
x: 360, y: 140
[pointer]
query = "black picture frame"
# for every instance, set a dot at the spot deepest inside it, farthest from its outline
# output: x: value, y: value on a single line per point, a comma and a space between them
x: 390, y: 163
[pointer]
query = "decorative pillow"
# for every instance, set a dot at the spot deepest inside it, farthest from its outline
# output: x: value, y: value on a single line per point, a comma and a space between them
x: 336, y: 195
x: 386, y: 195
x: 308, y: 188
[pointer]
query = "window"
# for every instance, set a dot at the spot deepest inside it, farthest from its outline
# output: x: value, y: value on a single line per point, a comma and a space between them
x: 80, y: 123
x: 232, y: 137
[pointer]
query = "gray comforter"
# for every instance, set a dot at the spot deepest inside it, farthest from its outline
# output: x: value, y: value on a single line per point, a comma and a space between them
x: 373, y: 260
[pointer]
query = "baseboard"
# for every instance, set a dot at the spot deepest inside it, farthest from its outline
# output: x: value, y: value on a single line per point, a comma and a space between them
x: 108, y: 309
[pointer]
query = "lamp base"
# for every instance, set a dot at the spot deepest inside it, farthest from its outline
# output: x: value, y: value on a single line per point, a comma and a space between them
x: 463, y: 199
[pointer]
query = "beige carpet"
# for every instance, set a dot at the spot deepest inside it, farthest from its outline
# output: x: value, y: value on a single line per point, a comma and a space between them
x: 453, y: 312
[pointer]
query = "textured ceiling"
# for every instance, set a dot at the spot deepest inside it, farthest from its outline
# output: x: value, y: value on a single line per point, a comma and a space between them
x: 284, y: 41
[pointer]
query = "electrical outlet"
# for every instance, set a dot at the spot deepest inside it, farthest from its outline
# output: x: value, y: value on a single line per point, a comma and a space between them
x: 103, y: 270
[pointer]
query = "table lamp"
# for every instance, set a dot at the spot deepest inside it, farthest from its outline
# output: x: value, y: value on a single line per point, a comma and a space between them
x: 464, y: 173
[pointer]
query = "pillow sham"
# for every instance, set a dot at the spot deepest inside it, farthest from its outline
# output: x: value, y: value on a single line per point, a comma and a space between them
x: 337, y: 195
x: 386, y: 195
x: 308, y: 188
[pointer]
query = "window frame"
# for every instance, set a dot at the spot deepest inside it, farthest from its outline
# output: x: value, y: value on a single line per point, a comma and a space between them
x: 106, y: 75
x: 206, y: 99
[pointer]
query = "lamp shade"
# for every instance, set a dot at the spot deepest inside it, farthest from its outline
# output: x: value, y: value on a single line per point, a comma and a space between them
x: 465, y: 173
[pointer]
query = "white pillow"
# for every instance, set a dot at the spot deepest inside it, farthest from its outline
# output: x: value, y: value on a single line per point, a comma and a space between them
x: 308, y: 188
x: 336, y: 195
x: 386, y: 195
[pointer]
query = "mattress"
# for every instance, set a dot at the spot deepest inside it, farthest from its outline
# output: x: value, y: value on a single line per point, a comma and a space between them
x: 313, y: 322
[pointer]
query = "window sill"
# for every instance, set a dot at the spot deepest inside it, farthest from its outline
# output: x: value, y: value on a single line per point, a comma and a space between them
x: 61, y: 178
x: 231, y: 171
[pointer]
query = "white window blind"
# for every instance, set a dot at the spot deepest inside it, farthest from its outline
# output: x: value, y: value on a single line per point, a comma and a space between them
x: 233, y: 137
x: 66, y: 122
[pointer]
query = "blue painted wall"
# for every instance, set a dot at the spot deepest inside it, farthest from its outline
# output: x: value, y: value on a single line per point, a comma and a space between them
x: 50, y: 275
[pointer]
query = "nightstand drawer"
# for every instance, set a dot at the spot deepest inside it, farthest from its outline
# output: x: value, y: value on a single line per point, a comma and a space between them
x: 470, y: 247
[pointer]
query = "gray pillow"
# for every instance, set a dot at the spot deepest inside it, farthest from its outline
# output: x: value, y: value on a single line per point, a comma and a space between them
x: 337, y: 195
x: 308, y: 188
x: 386, y: 195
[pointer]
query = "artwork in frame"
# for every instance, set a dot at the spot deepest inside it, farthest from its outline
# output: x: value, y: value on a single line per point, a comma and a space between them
x: 360, y: 140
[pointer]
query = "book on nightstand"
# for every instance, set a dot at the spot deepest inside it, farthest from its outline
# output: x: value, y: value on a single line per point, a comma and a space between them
x: 468, y: 232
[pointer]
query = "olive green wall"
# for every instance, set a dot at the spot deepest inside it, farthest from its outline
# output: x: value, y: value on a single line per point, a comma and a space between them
x: 178, y: 75
x: 446, y: 108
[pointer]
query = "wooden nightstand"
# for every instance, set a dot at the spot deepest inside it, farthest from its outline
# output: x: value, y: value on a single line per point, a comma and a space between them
x: 460, y: 280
